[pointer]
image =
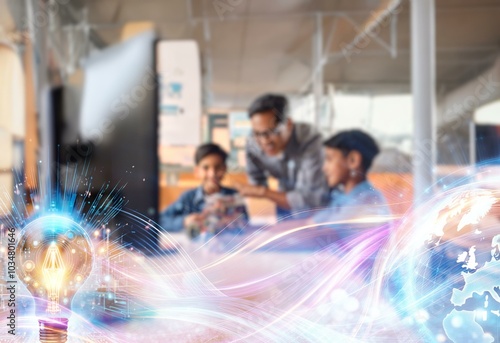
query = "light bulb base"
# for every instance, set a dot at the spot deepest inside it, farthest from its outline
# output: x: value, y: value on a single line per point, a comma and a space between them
x: 54, y: 330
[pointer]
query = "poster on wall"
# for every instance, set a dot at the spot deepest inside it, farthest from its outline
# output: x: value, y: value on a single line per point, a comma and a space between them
x: 179, y: 78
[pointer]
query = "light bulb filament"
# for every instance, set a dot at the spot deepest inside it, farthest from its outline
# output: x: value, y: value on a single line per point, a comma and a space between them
x: 53, y: 273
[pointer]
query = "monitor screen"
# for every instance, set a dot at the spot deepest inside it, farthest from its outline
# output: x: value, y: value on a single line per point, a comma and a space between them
x: 119, y: 120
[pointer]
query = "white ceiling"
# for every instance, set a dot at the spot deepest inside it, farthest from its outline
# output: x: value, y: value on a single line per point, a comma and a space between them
x: 266, y: 45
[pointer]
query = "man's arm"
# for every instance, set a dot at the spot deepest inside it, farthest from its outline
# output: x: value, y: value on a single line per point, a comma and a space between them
x: 258, y: 180
x: 310, y: 187
x: 280, y: 198
x: 255, y: 171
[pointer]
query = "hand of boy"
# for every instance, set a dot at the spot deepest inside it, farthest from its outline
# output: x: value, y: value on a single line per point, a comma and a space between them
x: 195, y: 219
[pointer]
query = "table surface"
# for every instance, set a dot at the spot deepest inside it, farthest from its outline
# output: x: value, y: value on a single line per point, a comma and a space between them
x: 262, y: 285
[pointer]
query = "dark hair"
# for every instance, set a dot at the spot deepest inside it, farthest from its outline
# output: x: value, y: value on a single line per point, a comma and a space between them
x: 275, y: 103
x: 355, y: 140
x: 209, y: 149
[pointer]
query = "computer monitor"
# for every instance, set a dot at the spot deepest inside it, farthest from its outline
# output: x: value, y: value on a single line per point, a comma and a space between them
x: 118, y: 119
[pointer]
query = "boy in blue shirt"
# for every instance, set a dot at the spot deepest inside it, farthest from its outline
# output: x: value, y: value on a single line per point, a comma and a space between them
x: 189, y: 210
x: 348, y: 157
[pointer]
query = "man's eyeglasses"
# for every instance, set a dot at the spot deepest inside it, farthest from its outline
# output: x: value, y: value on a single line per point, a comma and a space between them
x: 268, y: 133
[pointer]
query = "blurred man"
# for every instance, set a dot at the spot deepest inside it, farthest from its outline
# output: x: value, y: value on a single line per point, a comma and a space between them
x: 290, y: 152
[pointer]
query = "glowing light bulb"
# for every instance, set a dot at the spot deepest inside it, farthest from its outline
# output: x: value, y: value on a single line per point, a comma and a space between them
x: 54, y: 258
x: 53, y: 274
